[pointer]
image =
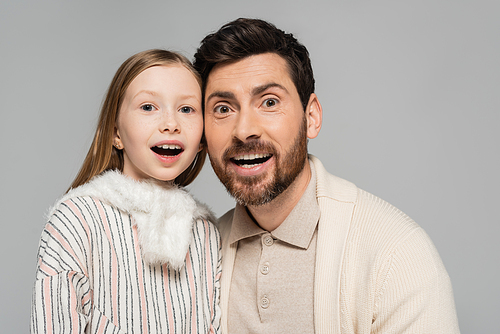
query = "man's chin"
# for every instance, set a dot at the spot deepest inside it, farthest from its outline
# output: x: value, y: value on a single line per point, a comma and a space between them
x: 252, y: 198
x: 250, y: 191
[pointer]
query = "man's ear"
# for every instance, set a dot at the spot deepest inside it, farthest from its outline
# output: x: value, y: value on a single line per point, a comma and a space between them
x: 314, y: 116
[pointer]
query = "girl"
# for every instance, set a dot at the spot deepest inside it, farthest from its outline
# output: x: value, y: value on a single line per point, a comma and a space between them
x: 127, y: 250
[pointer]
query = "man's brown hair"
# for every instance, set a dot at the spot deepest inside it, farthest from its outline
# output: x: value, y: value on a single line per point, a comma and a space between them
x: 244, y: 37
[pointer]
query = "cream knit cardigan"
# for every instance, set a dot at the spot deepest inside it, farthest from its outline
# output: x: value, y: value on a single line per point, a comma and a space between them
x: 376, y: 270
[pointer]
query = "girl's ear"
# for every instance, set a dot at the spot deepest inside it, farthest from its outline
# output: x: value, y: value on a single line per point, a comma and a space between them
x: 201, y: 147
x: 117, y: 142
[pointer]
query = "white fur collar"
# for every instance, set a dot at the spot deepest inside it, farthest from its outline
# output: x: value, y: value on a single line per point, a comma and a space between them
x: 163, y: 213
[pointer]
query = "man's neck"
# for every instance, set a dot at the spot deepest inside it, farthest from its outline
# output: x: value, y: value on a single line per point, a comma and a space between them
x: 269, y: 216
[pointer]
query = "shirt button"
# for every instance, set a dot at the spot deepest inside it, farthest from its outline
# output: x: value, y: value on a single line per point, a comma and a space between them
x: 264, y: 302
x: 265, y: 269
x: 268, y: 240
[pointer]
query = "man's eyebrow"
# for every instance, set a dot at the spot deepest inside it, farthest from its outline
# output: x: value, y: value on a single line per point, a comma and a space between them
x: 255, y: 91
x: 221, y: 94
x: 260, y: 89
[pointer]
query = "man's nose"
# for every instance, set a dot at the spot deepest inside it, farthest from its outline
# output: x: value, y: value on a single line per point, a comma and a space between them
x: 248, y: 125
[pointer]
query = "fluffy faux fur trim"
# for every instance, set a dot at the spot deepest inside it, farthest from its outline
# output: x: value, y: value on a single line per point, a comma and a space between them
x: 164, y: 213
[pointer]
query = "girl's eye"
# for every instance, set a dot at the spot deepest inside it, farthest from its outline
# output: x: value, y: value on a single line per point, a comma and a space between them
x: 222, y: 109
x: 186, y: 110
x: 270, y: 103
x: 148, y: 107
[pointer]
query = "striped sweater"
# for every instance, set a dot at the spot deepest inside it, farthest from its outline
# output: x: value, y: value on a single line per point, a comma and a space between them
x: 121, y: 256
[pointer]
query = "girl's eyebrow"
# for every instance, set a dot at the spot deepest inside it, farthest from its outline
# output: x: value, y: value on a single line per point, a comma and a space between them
x: 188, y: 96
x: 153, y: 93
x: 149, y: 92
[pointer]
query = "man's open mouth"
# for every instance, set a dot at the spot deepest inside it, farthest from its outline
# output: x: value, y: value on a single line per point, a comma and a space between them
x: 167, y: 150
x: 251, y: 160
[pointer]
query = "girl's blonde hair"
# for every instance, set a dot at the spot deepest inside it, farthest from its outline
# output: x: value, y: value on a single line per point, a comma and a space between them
x: 102, y: 155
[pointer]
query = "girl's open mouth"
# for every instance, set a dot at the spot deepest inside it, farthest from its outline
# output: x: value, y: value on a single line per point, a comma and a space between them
x: 167, y: 150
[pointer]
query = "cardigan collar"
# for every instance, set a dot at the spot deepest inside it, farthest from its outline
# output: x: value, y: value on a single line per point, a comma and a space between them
x: 163, y: 213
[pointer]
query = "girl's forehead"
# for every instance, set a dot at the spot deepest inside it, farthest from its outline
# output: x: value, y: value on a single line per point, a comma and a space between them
x: 165, y: 76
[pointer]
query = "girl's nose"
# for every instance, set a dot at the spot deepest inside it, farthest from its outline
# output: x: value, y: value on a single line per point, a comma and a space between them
x: 169, y: 123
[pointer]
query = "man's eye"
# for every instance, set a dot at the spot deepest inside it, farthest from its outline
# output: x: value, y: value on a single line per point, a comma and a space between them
x: 222, y: 109
x: 270, y: 103
x: 148, y: 107
x: 186, y: 110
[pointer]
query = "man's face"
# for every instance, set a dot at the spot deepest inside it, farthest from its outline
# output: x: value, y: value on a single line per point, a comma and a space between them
x: 256, y: 128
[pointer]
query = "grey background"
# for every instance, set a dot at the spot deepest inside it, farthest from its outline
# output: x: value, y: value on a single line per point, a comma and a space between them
x: 410, y: 93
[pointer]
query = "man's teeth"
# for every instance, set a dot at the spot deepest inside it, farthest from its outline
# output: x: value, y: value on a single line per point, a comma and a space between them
x: 247, y: 160
x: 169, y: 147
x: 251, y: 156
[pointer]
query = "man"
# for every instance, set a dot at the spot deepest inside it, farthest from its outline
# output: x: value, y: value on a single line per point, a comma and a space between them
x: 303, y: 250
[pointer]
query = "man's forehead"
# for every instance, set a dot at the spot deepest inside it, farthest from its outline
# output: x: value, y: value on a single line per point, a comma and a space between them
x: 258, y: 69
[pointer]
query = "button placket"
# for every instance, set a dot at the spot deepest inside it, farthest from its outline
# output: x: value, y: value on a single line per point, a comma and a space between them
x: 264, y: 268
x: 264, y: 302
x: 267, y: 240
x: 264, y: 279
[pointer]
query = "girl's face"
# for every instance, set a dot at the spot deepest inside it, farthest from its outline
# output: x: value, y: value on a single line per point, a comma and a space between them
x: 160, y: 123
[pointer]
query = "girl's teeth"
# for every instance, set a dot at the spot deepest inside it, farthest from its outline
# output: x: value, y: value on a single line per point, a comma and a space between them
x: 169, y: 147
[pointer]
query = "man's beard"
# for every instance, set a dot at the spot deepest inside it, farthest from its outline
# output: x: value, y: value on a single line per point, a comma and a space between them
x: 246, y: 189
